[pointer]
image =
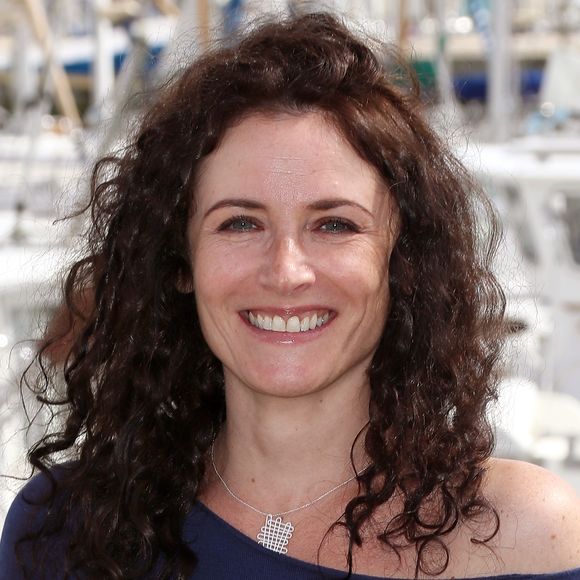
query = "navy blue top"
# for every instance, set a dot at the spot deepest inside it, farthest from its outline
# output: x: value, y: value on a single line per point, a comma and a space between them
x: 224, y: 553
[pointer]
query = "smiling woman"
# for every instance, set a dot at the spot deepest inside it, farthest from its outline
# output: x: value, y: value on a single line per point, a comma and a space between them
x: 311, y: 246
x: 287, y: 345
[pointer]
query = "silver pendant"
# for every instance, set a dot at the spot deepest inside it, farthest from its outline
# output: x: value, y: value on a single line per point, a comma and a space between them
x: 275, y: 534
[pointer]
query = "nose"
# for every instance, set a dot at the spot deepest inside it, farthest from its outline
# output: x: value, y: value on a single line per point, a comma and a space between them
x: 286, y: 268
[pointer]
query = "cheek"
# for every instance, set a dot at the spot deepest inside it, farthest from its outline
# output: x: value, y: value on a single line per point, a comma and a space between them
x: 221, y: 282
x: 216, y: 269
x: 215, y: 283
x: 362, y: 267
x: 372, y: 286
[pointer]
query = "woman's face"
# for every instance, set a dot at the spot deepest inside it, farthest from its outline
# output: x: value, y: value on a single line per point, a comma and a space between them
x: 289, y: 247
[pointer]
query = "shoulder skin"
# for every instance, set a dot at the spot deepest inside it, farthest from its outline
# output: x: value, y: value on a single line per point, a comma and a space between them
x: 539, y: 518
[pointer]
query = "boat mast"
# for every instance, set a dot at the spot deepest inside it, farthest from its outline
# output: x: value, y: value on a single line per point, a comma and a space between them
x: 500, y: 92
x: 444, y: 80
x: 64, y: 94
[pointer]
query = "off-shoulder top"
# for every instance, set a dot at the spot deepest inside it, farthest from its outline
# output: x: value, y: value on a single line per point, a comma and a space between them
x: 224, y: 552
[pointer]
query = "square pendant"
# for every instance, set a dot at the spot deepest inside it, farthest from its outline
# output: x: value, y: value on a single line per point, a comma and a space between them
x: 275, y: 534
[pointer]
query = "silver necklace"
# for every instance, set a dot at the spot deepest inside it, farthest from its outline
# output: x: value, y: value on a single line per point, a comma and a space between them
x: 275, y: 533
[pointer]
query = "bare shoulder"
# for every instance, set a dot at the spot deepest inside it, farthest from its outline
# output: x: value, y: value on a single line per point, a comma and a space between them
x: 539, y: 517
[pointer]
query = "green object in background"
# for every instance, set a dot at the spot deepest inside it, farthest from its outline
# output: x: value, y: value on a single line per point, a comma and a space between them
x: 426, y: 73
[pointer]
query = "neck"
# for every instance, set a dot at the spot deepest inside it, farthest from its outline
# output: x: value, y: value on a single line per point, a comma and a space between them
x: 277, y: 452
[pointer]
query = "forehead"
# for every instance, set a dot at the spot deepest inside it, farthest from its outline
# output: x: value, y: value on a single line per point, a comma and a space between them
x: 305, y: 138
x: 293, y: 156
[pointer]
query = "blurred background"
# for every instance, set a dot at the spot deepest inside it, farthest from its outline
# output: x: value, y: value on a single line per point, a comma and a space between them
x: 501, y: 82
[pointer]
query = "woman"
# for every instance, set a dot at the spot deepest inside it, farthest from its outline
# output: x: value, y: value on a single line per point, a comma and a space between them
x: 290, y: 345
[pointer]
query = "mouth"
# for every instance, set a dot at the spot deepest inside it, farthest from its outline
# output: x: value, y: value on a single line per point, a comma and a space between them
x: 305, y: 322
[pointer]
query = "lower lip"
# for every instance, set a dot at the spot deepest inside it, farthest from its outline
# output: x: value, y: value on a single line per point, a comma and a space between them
x: 287, y: 337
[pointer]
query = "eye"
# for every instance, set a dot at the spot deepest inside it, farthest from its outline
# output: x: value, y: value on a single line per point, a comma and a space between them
x: 338, y: 226
x: 239, y: 223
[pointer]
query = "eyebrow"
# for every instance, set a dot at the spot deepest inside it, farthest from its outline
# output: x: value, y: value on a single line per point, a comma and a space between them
x: 320, y: 205
x: 241, y: 202
x: 333, y: 203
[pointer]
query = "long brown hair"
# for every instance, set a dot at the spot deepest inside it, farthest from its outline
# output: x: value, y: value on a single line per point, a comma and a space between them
x: 143, y: 394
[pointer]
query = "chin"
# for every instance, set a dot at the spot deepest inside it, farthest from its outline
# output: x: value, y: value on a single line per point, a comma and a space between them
x: 280, y: 384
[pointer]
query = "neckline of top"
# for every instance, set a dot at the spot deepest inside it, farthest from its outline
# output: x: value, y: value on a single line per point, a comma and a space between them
x: 281, y: 558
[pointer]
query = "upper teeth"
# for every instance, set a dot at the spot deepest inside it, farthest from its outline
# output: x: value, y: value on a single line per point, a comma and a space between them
x: 293, y: 324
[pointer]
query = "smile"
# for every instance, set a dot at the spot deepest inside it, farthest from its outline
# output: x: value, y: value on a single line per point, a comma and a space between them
x: 292, y: 324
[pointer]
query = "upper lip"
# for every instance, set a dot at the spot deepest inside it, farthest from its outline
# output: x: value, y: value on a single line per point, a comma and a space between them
x: 287, y: 310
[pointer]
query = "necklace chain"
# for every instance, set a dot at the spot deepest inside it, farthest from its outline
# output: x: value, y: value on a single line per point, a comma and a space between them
x: 279, y: 514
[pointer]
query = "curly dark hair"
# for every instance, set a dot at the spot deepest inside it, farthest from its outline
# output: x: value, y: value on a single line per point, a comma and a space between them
x: 143, y: 395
